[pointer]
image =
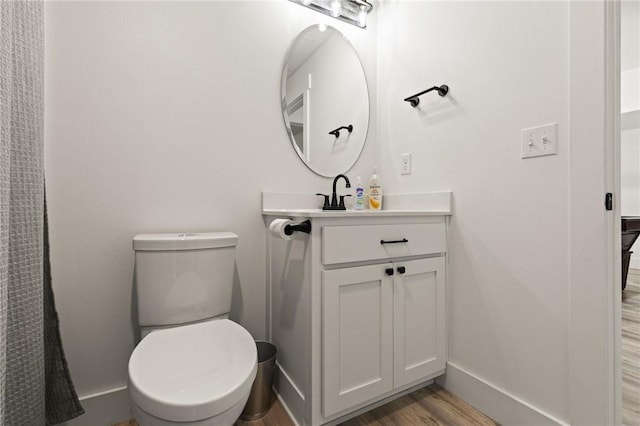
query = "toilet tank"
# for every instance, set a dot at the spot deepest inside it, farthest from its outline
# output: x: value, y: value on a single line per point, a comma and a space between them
x: 181, y: 278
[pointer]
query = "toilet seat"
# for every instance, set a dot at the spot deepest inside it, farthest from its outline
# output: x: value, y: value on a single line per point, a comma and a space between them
x: 192, y: 372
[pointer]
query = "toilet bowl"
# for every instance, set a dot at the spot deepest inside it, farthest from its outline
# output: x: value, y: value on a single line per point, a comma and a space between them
x: 192, y: 375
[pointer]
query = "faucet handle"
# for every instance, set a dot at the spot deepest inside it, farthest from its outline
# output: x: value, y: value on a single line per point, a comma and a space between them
x: 342, y: 199
x: 326, y: 200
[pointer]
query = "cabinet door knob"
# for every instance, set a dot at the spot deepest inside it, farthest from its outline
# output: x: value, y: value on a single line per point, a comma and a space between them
x: 389, y: 271
x: 401, y: 269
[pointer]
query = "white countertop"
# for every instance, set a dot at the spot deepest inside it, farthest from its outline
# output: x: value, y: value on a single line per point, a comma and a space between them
x: 308, y: 205
x: 351, y: 213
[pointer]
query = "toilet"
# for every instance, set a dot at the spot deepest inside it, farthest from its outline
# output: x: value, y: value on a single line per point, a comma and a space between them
x: 193, y: 366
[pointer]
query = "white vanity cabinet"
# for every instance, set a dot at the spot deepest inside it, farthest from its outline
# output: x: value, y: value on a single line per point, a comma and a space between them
x: 356, y: 308
x: 383, y: 325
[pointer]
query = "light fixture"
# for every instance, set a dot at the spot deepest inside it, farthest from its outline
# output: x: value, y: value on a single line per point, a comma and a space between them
x: 352, y: 11
x: 336, y: 8
x: 362, y: 16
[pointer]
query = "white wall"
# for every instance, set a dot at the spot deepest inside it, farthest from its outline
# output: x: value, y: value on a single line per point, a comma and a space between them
x: 506, y: 64
x: 629, y: 35
x: 164, y: 117
x: 630, y: 172
x: 630, y: 90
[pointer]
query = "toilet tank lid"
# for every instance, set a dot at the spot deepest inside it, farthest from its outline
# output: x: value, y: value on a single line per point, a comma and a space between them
x: 184, y: 241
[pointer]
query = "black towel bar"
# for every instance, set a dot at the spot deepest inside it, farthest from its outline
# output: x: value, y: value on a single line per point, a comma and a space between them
x: 336, y: 132
x: 414, y: 101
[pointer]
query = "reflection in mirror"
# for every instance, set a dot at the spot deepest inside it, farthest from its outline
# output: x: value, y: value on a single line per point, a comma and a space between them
x: 296, y: 122
x: 323, y: 89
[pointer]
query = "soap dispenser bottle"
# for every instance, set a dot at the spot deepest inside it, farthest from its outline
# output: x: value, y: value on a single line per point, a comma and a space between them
x: 360, y: 200
x: 375, y: 192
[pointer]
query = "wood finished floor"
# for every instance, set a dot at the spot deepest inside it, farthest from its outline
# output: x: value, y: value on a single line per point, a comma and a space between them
x: 631, y: 350
x: 432, y: 406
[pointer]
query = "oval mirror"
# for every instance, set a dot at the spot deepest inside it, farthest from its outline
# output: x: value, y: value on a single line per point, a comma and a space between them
x: 325, y: 102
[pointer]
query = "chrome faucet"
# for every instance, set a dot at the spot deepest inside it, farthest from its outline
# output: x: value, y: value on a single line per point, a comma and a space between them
x: 335, y: 204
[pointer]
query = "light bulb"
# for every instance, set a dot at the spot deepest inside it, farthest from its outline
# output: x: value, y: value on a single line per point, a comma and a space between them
x: 336, y: 8
x: 322, y: 27
x: 362, y: 17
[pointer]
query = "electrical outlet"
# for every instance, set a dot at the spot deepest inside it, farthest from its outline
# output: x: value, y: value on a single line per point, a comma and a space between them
x: 405, y: 164
x: 539, y: 141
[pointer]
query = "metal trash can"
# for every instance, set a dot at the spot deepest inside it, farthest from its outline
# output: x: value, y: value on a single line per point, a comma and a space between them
x: 260, y: 397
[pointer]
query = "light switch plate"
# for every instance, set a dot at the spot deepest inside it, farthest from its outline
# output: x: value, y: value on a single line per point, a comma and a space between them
x: 405, y: 164
x: 539, y: 141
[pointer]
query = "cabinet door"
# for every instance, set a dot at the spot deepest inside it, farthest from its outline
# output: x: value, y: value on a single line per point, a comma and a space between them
x: 357, y: 336
x: 420, y: 346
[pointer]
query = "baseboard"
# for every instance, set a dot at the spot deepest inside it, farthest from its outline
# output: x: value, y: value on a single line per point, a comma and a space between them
x: 286, y: 408
x: 496, y: 403
x: 104, y: 408
x: 287, y: 391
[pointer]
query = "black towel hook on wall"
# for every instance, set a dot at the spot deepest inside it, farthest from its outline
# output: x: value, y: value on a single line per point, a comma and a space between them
x: 336, y: 132
x: 414, y: 101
